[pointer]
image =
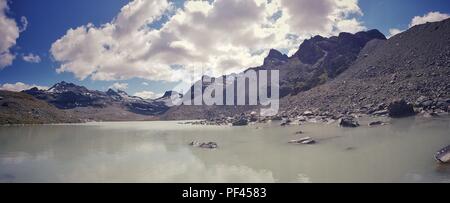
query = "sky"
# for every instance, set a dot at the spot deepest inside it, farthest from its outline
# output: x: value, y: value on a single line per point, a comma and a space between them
x: 146, y: 47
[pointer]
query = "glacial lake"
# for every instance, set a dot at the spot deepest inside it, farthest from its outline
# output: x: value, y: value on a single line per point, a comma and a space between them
x: 159, y: 152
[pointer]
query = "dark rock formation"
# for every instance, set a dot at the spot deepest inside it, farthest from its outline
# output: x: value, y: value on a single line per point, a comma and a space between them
x: 400, y: 108
x: 275, y: 58
x: 240, y: 122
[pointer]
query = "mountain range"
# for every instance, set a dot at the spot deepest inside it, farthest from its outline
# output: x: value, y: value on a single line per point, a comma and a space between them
x: 339, y: 75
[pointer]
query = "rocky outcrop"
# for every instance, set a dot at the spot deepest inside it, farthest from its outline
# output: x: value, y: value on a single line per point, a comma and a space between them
x: 275, y: 58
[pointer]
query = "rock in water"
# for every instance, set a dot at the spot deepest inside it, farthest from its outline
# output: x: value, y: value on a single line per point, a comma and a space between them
x: 209, y: 145
x: 376, y: 123
x: 400, y: 108
x: 348, y: 123
x: 443, y: 155
x: 240, y: 122
x: 305, y: 140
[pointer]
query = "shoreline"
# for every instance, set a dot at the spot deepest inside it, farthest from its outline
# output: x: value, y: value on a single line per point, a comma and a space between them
x: 364, y: 119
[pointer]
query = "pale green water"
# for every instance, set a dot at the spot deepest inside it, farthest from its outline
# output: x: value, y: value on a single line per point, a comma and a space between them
x: 159, y: 152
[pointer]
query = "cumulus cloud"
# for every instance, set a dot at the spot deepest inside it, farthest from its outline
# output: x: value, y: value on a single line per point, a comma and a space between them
x: 31, y: 58
x: 119, y: 86
x: 428, y: 18
x: 20, y: 86
x: 9, y: 33
x: 148, y: 95
x: 219, y: 37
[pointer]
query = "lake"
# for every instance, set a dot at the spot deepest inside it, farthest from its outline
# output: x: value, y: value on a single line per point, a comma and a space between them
x: 159, y: 152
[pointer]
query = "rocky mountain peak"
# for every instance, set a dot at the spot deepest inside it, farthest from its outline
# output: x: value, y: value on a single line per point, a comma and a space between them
x: 275, y: 56
x: 345, y: 44
x: 66, y: 87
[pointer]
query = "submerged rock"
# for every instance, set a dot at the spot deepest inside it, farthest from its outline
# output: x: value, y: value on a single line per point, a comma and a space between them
x: 305, y: 140
x: 209, y: 145
x: 400, y: 108
x: 376, y: 123
x: 443, y: 155
x: 348, y: 122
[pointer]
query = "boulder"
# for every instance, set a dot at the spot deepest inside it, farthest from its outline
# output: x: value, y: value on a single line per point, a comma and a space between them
x: 240, y: 122
x: 400, y: 108
x: 348, y: 122
x: 443, y: 155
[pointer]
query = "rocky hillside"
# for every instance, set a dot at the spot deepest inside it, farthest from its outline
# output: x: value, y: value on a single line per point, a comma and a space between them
x: 20, y: 108
x: 414, y: 66
x: 317, y: 61
x: 329, y: 77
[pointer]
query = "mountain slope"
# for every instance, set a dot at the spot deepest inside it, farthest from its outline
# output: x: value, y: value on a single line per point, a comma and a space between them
x: 317, y: 61
x: 20, y: 108
x: 414, y: 65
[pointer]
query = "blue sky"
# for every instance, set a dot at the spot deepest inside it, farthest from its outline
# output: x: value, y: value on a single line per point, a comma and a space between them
x: 49, y: 20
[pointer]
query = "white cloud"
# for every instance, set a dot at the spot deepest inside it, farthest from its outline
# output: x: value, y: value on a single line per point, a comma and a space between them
x: 219, y: 37
x: 19, y: 86
x: 428, y: 18
x: 394, y: 31
x: 31, y: 58
x: 145, y: 84
x: 148, y: 95
x: 119, y: 86
x: 9, y: 33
